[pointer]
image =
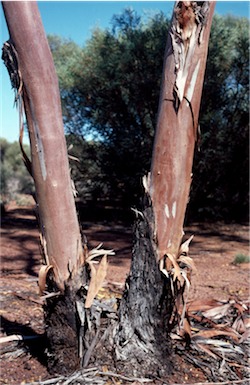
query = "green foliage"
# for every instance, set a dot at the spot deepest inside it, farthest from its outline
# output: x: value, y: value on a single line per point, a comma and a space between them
x: 241, y: 258
x: 110, y: 92
x: 220, y: 187
x: 65, y: 54
x: 86, y: 169
x: 115, y: 97
x: 14, y: 176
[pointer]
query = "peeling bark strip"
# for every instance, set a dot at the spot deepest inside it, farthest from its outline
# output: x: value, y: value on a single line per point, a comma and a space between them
x: 10, y: 59
x: 33, y: 64
x: 177, y: 125
x: 186, y: 33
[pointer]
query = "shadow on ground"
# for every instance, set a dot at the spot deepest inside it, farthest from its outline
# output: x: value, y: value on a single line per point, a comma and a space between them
x: 33, y: 343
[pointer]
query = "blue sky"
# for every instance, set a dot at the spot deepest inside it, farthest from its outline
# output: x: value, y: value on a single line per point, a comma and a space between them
x: 76, y: 20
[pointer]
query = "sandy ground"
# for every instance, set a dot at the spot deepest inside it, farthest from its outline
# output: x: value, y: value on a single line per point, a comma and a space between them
x: 213, y: 250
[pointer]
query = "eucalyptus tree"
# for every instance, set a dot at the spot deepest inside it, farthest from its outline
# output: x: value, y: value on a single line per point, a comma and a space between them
x: 150, y: 303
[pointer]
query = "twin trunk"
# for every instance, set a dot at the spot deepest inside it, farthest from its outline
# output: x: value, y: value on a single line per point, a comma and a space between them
x: 147, y: 304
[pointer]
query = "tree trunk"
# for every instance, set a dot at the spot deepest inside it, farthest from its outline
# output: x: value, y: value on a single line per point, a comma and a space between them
x: 34, y: 77
x: 151, y: 302
x: 146, y: 306
x: 149, y: 306
x: 177, y: 126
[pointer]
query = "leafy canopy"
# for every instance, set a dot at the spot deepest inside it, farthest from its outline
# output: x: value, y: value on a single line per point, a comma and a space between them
x: 110, y: 91
x: 114, y: 95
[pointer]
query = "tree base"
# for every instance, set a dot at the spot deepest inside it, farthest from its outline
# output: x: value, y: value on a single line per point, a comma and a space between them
x: 63, y: 324
x: 138, y: 340
x: 61, y: 332
x: 142, y: 335
x: 77, y: 336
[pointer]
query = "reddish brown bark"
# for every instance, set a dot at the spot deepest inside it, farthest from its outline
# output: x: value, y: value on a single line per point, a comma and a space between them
x: 177, y: 126
x: 149, y: 307
x: 40, y: 92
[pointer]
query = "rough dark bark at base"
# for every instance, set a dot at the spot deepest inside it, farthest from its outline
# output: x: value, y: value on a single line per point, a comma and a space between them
x: 61, y: 331
x: 63, y: 326
x: 141, y: 339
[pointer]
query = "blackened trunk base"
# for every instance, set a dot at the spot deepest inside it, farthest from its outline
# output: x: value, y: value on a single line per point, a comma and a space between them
x: 62, y: 332
x: 141, y: 338
x: 140, y: 343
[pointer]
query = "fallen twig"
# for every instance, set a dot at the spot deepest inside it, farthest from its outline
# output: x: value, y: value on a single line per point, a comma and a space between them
x: 82, y: 377
x: 130, y: 379
x: 50, y: 295
x: 90, y: 349
x: 47, y: 382
x: 16, y: 337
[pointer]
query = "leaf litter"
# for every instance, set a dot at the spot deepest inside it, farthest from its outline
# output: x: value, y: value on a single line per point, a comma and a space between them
x: 216, y: 345
x: 218, y: 331
x: 219, y: 339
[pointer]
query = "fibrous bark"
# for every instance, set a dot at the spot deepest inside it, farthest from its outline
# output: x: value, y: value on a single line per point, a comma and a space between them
x: 62, y: 330
x: 141, y: 340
